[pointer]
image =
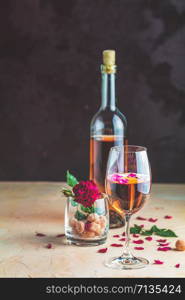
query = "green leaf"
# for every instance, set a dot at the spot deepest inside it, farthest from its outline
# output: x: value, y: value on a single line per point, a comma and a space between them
x: 154, y: 229
x: 89, y: 210
x: 146, y: 232
x: 166, y: 233
x: 136, y: 229
x: 73, y: 203
x: 160, y: 232
x: 71, y: 180
x: 67, y: 192
x: 79, y: 216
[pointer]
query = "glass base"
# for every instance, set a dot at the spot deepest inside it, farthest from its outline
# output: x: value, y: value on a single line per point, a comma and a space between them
x: 88, y: 242
x: 122, y: 263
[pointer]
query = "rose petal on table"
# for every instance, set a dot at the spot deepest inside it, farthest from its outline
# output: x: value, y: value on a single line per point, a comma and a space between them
x: 103, y: 250
x: 141, y: 218
x: 177, y: 265
x: 123, y: 234
x: 138, y: 248
x: 148, y: 238
x: 161, y: 241
x: 163, y: 244
x: 60, y: 235
x: 164, y: 248
x: 135, y: 235
x: 49, y: 246
x: 122, y: 240
x: 116, y: 245
x: 141, y: 225
x: 138, y: 242
x: 116, y: 236
x: 152, y: 220
x: 158, y: 262
x: 168, y: 217
x: 40, y: 234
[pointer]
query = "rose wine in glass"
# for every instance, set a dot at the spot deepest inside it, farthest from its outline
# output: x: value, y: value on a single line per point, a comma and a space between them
x: 128, y: 184
x: 127, y: 189
x: 108, y: 129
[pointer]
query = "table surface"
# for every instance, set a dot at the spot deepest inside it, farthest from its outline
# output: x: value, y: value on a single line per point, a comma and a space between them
x: 30, y: 207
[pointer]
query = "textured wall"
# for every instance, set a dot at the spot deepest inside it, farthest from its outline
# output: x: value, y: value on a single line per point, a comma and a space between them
x: 50, y: 52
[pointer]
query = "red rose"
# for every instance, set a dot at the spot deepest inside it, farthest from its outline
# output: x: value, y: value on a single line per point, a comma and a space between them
x: 86, y: 193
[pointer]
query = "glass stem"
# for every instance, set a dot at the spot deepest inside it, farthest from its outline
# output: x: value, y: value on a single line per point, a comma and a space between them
x: 126, y: 251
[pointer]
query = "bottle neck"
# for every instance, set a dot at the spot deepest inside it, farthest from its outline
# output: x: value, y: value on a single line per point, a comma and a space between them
x: 108, y: 99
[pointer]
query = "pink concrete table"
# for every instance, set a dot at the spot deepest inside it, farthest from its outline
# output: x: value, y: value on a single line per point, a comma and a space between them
x: 30, y: 207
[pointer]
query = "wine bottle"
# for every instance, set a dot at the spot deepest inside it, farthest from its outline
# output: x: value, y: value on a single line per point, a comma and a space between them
x: 107, y: 129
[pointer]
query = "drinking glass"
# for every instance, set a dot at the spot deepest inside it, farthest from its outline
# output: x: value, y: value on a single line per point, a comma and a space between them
x: 87, y: 226
x: 128, y: 184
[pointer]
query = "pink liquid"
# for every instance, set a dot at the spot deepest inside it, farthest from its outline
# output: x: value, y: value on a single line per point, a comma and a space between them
x: 128, y: 191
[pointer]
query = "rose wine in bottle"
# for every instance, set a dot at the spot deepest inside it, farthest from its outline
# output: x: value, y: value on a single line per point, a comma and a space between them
x: 108, y: 129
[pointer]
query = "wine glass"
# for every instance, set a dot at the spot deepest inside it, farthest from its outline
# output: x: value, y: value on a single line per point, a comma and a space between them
x: 128, y: 184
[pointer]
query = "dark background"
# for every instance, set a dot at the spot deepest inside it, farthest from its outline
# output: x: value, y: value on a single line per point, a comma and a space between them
x: 50, y: 53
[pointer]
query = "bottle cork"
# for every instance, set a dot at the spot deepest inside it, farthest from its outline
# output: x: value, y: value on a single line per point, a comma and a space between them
x: 109, y: 57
